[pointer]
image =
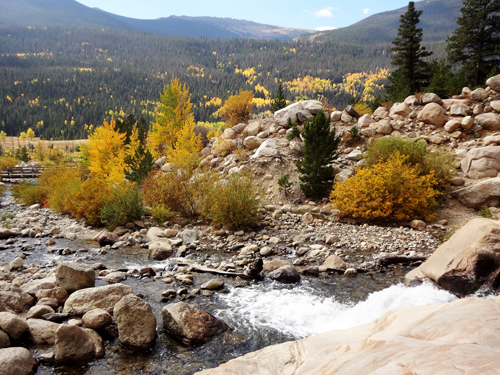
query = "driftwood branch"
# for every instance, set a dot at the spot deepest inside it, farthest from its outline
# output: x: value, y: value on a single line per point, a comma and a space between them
x: 387, y: 260
x: 197, y: 268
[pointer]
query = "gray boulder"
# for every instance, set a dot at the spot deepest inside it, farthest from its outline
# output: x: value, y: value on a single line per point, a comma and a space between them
x: 494, y: 82
x: 189, y: 236
x: 489, y: 121
x: 267, y: 148
x: 17, y: 361
x: 484, y: 193
x: 481, y: 162
x: 282, y: 271
x: 191, y: 324
x: 136, y: 322
x: 73, y: 276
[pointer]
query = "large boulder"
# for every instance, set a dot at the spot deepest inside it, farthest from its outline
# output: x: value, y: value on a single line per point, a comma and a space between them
x: 282, y: 271
x: 13, y: 325
x: 365, y: 121
x: 452, y: 338
x: 73, y: 276
x: 73, y: 345
x: 281, y: 116
x: 313, y: 106
x: 481, y: 162
x: 190, y: 323
x: 33, y: 286
x: 479, y: 94
x: 484, y: 193
x: 159, y: 250
x: 136, y: 322
x: 14, y: 298
x: 268, y: 148
x: 489, y: 121
x: 102, y: 297
x: 17, y: 361
x: 494, y: 82
x: 42, y: 332
x: 470, y: 258
x: 432, y: 114
x: 156, y: 234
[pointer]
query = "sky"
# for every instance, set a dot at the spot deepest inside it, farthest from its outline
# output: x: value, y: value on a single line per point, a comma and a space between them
x: 312, y: 15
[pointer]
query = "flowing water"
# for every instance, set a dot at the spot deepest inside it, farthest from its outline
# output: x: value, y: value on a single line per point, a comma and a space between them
x: 261, y: 314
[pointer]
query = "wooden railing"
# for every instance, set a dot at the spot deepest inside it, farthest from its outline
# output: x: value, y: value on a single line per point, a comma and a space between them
x: 29, y: 172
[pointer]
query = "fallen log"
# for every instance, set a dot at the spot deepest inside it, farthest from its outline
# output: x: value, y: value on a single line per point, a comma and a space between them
x: 198, y: 268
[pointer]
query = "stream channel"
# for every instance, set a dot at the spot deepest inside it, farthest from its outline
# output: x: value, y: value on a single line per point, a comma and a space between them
x: 261, y: 314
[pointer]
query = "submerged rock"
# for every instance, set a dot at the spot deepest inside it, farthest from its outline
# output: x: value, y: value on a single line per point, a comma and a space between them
x: 190, y: 323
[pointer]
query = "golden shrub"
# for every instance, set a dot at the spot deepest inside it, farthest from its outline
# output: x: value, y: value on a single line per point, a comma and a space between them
x: 388, y: 190
x: 58, y: 184
x: 88, y: 201
x: 362, y: 108
x: 237, y: 108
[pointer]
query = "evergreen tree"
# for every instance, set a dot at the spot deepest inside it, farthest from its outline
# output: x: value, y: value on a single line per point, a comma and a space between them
x: 475, y: 42
x: 412, y: 74
x: 320, y: 144
x: 279, y: 101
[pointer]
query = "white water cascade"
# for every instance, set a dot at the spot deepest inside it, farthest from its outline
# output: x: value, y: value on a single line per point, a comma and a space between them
x: 300, y: 312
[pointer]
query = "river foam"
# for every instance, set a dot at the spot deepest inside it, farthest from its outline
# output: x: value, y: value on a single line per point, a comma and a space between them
x: 300, y: 312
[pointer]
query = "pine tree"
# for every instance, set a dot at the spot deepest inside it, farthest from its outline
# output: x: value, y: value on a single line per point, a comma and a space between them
x: 412, y: 71
x: 279, y: 101
x: 475, y: 42
x: 320, y: 144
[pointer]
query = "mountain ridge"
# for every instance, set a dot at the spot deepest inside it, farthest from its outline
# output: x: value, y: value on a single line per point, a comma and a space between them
x: 70, y: 13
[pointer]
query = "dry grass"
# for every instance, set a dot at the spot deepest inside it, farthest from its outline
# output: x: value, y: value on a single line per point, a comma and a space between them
x: 14, y: 142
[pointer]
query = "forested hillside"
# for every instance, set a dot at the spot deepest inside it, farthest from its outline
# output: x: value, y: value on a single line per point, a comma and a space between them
x: 61, y: 81
x: 438, y: 20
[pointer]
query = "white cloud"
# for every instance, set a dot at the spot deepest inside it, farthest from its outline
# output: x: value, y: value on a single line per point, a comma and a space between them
x: 366, y: 11
x: 325, y: 28
x: 325, y: 12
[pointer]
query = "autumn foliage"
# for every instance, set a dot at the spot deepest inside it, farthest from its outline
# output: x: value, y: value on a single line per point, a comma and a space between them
x: 237, y: 108
x: 387, y: 190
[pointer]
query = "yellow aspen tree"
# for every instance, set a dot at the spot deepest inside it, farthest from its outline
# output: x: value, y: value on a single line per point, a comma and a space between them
x: 30, y: 134
x: 171, y: 114
x: 3, y: 136
x: 106, y: 152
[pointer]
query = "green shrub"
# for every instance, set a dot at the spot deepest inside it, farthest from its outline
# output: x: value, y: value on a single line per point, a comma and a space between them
x: 284, y: 184
x: 439, y: 162
x: 295, y: 132
x: 28, y: 194
x: 233, y: 201
x: 486, y: 213
x: 122, y: 206
x: 160, y: 213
